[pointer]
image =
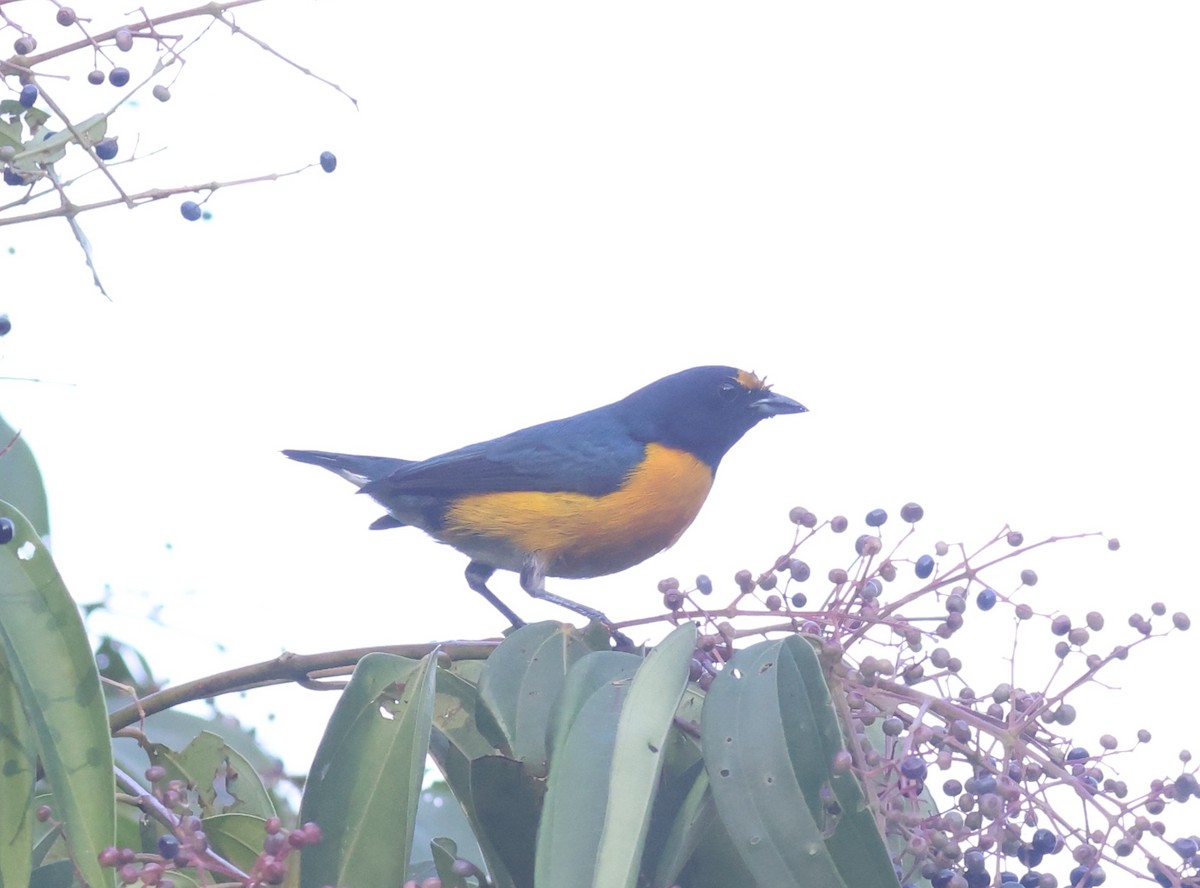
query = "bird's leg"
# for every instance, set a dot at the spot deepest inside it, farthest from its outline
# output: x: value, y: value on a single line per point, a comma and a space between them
x: 477, y: 577
x: 533, y: 581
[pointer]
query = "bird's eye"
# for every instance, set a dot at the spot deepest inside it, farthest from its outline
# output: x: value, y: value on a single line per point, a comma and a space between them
x: 729, y: 391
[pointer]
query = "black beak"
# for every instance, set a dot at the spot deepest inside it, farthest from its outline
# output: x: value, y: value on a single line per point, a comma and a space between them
x: 772, y: 404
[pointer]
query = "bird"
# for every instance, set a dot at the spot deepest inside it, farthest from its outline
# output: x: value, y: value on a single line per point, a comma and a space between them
x: 580, y: 497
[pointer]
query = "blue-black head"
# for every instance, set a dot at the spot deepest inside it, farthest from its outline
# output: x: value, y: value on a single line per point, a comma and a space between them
x: 704, y: 410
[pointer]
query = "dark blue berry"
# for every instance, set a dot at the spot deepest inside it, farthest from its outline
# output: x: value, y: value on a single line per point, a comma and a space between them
x: 328, y: 161
x: 1032, y: 879
x: 1029, y: 856
x: 876, y: 518
x: 982, y: 784
x: 1185, y: 848
x: 800, y: 569
x: 29, y: 95
x: 977, y: 879
x: 95, y: 77
x: 190, y: 210
x: 6, y: 325
x: 941, y: 878
x: 1044, y: 841
x: 118, y: 76
x: 914, y: 768
x: 11, y: 177
x: 924, y: 566
x: 7, y: 529
x: 106, y: 149
x: 1161, y: 877
x: 704, y: 584
x: 799, y: 599
x: 1006, y: 876
x: 986, y: 599
x: 1094, y: 876
x: 168, y: 846
x: 912, y: 513
x: 974, y: 861
x: 1077, y: 754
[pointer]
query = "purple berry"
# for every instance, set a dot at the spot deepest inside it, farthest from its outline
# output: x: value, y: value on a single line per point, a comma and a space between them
x: 124, y: 39
x: 5, y: 325
x: 876, y: 518
x: 65, y: 16
x: 106, y: 149
x: 328, y: 161
x: 118, y: 76
x: 24, y: 45
x: 29, y: 95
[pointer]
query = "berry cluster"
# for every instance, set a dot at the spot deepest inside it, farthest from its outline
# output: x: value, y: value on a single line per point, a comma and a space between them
x: 1021, y: 803
x: 184, y: 849
x: 39, y: 133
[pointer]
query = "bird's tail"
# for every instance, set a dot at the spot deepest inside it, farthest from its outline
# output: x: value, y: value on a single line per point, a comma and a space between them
x: 358, y: 470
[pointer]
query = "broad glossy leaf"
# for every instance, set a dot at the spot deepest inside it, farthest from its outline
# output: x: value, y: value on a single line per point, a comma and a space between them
x: 226, y: 781
x: 236, y: 837
x: 18, y: 766
x: 365, y: 782
x: 521, y: 681
x: 50, y: 662
x: 21, y: 480
x: 606, y: 768
x: 770, y: 733
x: 638, y: 756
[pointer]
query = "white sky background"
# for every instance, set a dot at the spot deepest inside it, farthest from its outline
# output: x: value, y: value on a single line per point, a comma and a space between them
x: 963, y: 235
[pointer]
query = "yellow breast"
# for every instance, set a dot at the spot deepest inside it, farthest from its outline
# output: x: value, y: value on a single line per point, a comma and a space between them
x: 586, y: 536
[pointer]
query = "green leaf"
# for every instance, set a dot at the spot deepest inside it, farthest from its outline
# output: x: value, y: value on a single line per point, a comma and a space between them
x: 507, y: 801
x: 606, y: 769
x: 589, y: 674
x: 226, y: 782
x: 10, y: 133
x: 637, y: 760
x: 11, y: 106
x: 42, y: 149
x: 59, y: 874
x: 692, y: 817
x: 770, y: 734
x: 18, y: 766
x: 445, y: 852
x: 365, y: 782
x: 20, y: 480
x: 236, y: 837
x: 35, y: 118
x: 51, y: 663
x: 520, y: 683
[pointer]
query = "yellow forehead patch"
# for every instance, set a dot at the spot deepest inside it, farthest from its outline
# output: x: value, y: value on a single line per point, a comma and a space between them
x: 749, y: 381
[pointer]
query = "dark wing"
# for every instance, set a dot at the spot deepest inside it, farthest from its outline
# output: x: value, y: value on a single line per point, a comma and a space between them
x: 591, y: 453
